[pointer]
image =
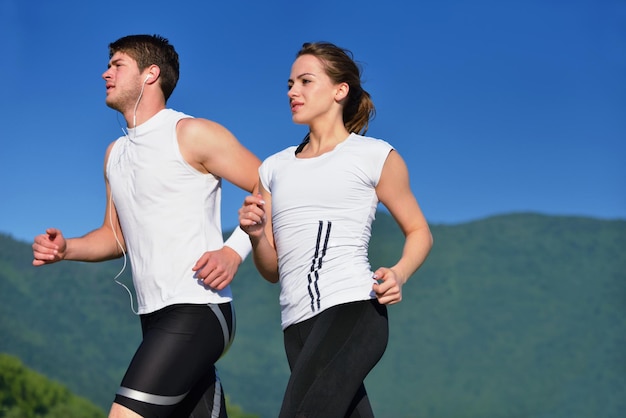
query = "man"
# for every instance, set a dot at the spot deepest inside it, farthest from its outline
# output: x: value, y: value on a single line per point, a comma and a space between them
x: 163, y: 186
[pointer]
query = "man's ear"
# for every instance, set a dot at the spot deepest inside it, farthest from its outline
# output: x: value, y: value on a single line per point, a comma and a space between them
x: 153, y: 74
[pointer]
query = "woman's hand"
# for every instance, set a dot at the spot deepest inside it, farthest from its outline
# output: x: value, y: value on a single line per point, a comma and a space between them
x: 252, y: 215
x: 388, y: 288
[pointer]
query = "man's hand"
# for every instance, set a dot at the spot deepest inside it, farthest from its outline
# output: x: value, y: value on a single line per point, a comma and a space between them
x: 217, y: 268
x: 49, y: 248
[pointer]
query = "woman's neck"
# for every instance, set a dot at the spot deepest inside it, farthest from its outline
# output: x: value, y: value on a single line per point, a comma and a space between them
x: 322, y: 142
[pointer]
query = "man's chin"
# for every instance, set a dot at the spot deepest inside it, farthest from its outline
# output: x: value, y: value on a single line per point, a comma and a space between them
x: 111, y: 104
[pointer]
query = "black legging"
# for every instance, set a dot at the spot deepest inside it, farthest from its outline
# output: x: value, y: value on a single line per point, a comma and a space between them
x: 172, y: 373
x: 330, y: 355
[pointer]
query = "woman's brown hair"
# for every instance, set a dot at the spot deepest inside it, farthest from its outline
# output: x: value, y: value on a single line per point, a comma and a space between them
x: 341, y: 68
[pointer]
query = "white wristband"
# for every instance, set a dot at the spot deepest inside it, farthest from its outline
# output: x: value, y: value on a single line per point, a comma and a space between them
x: 239, y: 242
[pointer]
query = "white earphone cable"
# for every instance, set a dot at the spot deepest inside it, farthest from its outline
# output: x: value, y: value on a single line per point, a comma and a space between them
x: 115, y: 279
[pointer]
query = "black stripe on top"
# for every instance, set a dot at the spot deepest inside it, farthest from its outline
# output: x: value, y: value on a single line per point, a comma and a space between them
x: 316, y: 263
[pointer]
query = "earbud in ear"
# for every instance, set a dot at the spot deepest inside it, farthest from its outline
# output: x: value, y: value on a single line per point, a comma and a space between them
x: 149, y: 76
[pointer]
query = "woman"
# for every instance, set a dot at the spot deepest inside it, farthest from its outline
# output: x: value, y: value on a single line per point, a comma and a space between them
x: 322, y: 197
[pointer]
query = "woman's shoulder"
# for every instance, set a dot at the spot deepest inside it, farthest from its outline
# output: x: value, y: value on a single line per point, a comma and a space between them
x: 288, y: 152
x: 277, y: 158
x: 369, y: 143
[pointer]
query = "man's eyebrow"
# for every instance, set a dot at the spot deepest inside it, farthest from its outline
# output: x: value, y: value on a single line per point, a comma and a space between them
x: 116, y: 61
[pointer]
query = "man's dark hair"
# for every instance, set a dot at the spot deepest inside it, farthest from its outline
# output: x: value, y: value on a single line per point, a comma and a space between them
x: 148, y: 50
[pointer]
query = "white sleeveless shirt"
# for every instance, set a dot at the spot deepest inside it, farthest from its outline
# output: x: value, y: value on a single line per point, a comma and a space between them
x: 169, y: 213
x: 322, y: 211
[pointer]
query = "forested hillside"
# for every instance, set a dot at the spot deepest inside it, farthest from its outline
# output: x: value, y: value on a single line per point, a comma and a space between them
x: 520, y: 315
x: 27, y: 394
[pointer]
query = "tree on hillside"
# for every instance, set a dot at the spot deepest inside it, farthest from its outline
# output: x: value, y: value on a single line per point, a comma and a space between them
x: 27, y: 394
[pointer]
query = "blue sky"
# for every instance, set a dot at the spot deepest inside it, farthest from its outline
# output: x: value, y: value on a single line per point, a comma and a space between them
x: 497, y: 106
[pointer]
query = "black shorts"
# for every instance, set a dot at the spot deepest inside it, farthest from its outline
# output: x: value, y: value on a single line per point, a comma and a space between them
x: 173, y: 370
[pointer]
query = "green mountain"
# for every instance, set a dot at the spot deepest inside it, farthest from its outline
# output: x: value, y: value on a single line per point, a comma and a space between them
x: 519, y: 315
x: 27, y: 394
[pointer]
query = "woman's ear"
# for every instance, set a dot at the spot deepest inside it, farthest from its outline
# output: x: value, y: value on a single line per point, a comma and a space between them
x: 342, y: 91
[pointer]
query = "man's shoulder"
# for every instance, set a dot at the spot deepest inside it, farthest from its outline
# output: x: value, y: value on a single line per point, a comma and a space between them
x: 190, y: 125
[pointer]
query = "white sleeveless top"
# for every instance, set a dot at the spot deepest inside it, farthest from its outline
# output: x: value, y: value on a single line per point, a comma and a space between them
x: 322, y: 211
x: 169, y: 213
